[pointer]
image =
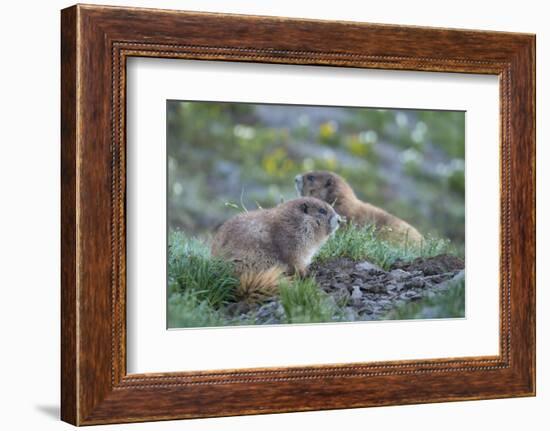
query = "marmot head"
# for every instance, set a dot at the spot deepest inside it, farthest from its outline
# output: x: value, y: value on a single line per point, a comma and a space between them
x: 318, y: 214
x: 324, y: 185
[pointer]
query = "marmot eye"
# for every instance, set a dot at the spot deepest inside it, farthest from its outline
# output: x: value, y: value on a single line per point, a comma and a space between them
x: 328, y: 183
x: 310, y: 178
x: 323, y: 211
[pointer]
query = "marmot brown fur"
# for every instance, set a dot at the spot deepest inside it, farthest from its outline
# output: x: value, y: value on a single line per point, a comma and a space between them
x: 334, y: 189
x: 285, y: 237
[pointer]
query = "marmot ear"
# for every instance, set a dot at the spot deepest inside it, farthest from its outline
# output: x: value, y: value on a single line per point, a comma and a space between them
x: 329, y: 182
x: 304, y: 208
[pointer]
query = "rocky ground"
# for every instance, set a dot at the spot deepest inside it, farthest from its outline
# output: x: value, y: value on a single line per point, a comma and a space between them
x: 370, y: 293
x: 363, y: 291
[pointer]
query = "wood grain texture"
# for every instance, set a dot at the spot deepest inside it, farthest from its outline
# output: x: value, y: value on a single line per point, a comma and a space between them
x: 69, y: 367
x: 96, y: 41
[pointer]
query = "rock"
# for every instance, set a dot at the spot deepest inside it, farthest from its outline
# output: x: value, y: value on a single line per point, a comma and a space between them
x: 363, y: 291
x: 349, y: 314
x: 391, y: 287
x: 356, y: 294
x: 359, y: 276
x: 368, y: 267
x: 439, y: 278
x: 356, y: 297
x: 399, y: 274
x: 341, y: 297
x: 270, y: 313
x: 375, y: 288
x: 415, y: 283
x: 385, y: 303
x: 237, y: 308
x: 411, y: 294
x: 432, y: 265
x: 394, y: 287
x: 366, y: 310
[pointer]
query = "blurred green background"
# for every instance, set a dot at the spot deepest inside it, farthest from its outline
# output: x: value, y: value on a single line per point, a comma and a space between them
x: 222, y: 155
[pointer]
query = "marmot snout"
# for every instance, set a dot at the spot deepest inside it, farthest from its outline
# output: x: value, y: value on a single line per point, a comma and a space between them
x: 286, y: 236
x: 333, y: 189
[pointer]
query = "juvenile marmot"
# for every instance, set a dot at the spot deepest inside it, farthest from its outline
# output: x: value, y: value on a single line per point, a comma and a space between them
x: 333, y: 189
x: 285, y: 237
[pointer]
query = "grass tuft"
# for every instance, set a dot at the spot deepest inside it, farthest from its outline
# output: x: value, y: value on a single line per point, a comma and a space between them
x: 360, y: 243
x: 185, y: 310
x: 304, y: 302
x: 193, y: 271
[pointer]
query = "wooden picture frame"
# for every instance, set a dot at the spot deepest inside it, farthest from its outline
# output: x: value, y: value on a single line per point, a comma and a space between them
x: 96, y: 41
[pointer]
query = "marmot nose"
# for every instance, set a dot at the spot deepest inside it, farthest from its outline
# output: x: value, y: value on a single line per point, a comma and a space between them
x: 297, y: 178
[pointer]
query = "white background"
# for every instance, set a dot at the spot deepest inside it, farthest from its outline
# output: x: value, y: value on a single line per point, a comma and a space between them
x: 29, y: 226
x: 151, y: 348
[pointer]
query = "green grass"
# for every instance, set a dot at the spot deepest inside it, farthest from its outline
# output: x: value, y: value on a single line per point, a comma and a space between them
x: 185, y: 310
x: 200, y: 285
x: 360, y: 243
x: 304, y: 302
x: 191, y: 269
x: 449, y: 304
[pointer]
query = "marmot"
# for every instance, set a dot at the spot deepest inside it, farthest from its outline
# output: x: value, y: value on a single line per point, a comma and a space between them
x: 334, y: 189
x: 284, y: 237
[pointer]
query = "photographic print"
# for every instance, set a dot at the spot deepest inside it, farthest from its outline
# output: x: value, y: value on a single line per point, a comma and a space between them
x: 289, y: 214
x: 248, y: 213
